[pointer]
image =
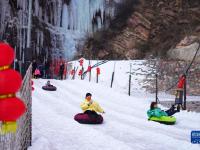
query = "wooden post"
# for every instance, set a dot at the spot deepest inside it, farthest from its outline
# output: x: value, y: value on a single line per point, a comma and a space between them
x: 156, y: 88
x: 112, y: 79
x: 97, y: 76
x: 185, y: 96
x: 90, y: 73
x: 82, y: 73
x: 97, y: 80
x: 113, y: 75
x: 129, y: 88
x: 73, y: 77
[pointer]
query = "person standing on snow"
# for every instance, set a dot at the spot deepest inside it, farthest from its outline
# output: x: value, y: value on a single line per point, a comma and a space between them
x: 61, y: 71
x: 37, y: 73
x: 90, y: 106
x: 34, y: 66
x: 47, y: 69
x: 179, y: 91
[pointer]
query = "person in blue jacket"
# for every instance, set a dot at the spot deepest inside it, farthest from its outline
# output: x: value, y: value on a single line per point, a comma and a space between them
x: 155, y: 111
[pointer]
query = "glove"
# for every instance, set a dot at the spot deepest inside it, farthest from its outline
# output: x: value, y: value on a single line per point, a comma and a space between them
x: 90, y: 103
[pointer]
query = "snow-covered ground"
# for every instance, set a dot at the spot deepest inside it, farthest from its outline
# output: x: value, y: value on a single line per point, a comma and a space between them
x: 125, y: 124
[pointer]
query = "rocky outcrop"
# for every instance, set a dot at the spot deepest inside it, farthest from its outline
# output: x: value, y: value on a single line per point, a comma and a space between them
x: 152, y: 28
x: 169, y: 72
x: 185, y: 52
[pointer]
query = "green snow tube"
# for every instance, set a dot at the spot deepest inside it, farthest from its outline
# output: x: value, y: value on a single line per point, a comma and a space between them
x: 169, y: 120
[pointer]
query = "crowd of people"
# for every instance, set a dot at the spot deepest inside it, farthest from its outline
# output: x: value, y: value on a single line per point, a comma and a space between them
x: 44, y: 70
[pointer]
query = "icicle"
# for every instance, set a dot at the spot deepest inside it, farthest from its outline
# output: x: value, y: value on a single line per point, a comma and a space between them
x: 65, y: 17
x: 36, y: 5
x: 59, y: 13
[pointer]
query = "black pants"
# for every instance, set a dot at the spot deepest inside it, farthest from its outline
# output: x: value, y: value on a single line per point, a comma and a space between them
x: 171, y: 111
x: 61, y: 75
x: 92, y: 114
x: 179, y: 97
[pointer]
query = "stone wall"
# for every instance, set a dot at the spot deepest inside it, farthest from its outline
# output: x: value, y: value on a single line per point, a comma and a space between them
x: 168, y: 73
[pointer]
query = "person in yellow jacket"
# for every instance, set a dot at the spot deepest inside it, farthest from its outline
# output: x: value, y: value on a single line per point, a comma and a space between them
x: 91, y: 107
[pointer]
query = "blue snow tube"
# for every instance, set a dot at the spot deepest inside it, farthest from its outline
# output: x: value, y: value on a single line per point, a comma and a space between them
x: 49, y: 88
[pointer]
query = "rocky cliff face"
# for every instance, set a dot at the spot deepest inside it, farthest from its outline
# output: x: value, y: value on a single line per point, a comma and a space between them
x: 169, y: 71
x: 152, y: 28
x: 138, y: 28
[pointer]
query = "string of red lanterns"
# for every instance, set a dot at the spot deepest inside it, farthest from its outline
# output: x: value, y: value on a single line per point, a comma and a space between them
x: 11, y: 107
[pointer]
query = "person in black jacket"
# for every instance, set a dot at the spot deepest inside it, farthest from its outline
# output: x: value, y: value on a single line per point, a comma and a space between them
x: 47, y: 69
x: 61, y: 71
x: 34, y: 66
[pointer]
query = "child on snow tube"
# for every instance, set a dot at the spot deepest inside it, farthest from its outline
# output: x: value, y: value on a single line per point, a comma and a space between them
x: 158, y: 115
x: 49, y: 87
x: 90, y: 115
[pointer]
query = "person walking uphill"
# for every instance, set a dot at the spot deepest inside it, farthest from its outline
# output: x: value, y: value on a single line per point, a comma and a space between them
x: 90, y: 109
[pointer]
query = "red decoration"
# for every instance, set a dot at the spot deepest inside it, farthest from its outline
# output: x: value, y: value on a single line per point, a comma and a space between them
x: 98, y: 70
x: 10, y: 81
x: 7, y: 54
x: 11, y: 109
x: 181, y: 82
x: 72, y: 72
x: 89, y: 68
x: 80, y: 72
x: 81, y: 62
x: 32, y: 85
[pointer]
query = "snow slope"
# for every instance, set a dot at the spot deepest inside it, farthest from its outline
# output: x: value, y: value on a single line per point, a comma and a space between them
x: 125, y: 124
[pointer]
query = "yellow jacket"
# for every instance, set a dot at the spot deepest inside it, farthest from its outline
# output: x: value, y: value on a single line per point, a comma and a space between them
x: 94, y: 106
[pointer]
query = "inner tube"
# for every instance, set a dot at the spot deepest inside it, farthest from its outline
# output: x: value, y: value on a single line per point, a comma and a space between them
x: 169, y: 120
x: 87, y: 119
x: 49, y: 88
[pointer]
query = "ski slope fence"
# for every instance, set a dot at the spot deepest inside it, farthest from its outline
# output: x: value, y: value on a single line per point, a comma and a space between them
x: 21, y: 140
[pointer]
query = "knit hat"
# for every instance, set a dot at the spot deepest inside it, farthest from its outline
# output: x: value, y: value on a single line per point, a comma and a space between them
x: 88, y: 94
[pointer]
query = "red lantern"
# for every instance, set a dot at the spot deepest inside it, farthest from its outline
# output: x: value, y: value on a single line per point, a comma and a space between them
x: 11, y: 109
x: 10, y: 81
x: 80, y: 72
x: 89, y: 68
x: 72, y: 72
x: 33, y: 88
x: 98, y: 70
x: 7, y: 54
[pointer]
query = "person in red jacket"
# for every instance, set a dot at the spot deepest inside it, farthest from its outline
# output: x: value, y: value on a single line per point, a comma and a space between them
x: 181, y: 82
x: 179, y: 91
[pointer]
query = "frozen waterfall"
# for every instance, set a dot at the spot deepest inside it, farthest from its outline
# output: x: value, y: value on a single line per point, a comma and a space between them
x: 79, y: 18
x: 57, y: 25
